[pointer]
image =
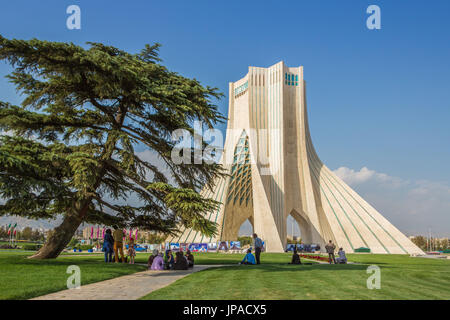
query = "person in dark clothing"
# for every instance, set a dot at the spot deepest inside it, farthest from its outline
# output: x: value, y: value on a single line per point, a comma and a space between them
x: 190, y: 259
x: 108, y: 245
x: 151, y: 258
x: 180, y: 262
x: 330, y: 247
x: 295, y: 258
x: 258, y: 245
x: 169, y: 261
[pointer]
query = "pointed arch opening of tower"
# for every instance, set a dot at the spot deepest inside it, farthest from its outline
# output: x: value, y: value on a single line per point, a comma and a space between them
x: 239, y: 201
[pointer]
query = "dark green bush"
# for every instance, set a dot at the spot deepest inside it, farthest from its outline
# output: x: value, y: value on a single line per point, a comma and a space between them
x: 84, y: 246
x: 34, y: 247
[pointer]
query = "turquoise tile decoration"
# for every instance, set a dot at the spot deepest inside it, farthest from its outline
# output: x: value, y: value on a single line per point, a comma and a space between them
x: 242, y: 88
x: 240, y: 182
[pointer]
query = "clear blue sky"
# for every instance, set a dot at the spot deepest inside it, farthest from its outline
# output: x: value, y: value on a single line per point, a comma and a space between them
x: 376, y: 98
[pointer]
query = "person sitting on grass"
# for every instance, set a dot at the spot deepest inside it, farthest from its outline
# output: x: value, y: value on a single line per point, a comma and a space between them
x: 341, y: 256
x: 158, y: 262
x: 295, y: 258
x: 180, y: 262
x: 151, y: 258
x: 131, y: 250
x: 190, y: 259
x: 169, y: 261
x: 249, y: 258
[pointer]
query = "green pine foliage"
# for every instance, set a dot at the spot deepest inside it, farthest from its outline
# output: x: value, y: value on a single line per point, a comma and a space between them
x: 72, y: 151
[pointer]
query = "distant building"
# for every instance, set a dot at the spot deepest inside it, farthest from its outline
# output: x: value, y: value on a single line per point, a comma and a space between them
x: 90, y: 232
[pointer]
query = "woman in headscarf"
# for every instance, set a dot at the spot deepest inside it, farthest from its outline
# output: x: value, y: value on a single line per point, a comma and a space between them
x: 180, y: 262
x: 158, y: 262
x: 151, y: 258
x: 190, y: 259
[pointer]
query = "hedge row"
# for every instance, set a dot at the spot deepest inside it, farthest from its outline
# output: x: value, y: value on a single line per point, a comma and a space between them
x: 33, y: 247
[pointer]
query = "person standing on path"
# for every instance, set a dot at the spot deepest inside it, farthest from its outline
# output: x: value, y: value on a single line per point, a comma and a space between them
x: 258, y: 245
x: 118, y: 244
x: 330, y: 247
x: 131, y: 250
x: 108, y: 245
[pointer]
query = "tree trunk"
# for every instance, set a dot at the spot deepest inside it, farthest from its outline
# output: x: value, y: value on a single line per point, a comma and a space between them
x: 60, y: 237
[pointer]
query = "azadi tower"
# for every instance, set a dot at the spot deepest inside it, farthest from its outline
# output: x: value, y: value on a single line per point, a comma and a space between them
x: 275, y: 172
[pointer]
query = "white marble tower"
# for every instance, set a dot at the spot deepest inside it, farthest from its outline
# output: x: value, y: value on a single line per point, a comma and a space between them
x: 275, y: 172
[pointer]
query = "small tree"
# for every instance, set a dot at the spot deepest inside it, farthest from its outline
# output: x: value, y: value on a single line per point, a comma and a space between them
x: 3, y: 233
x: 245, y: 240
x: 73, y: 242
x: 73, y: 149
x: 27, y: 234
x: 153, y: 238
x: 38, y: 235
x: 420, y: 241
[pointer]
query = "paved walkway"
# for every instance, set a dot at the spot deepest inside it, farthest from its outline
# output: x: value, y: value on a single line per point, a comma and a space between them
x: 433, y: 256
x: 130, y: 287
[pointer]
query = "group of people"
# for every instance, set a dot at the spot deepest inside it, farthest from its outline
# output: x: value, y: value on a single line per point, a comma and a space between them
x: 113, y: 244
x: 330, y: 248
x: 249, y: 257
x: 180, y: 262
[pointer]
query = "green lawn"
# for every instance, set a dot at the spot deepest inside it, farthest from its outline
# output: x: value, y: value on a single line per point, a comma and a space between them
x: 19, y: 243
x: 402, y: 277
x: 22, y: 278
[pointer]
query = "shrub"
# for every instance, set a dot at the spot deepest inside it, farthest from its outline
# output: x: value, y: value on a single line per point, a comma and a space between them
x: 314, y: 257
x: 245, y: 240
x: 84, y: 246
x: 33, y: 247
x: 73, y: 242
